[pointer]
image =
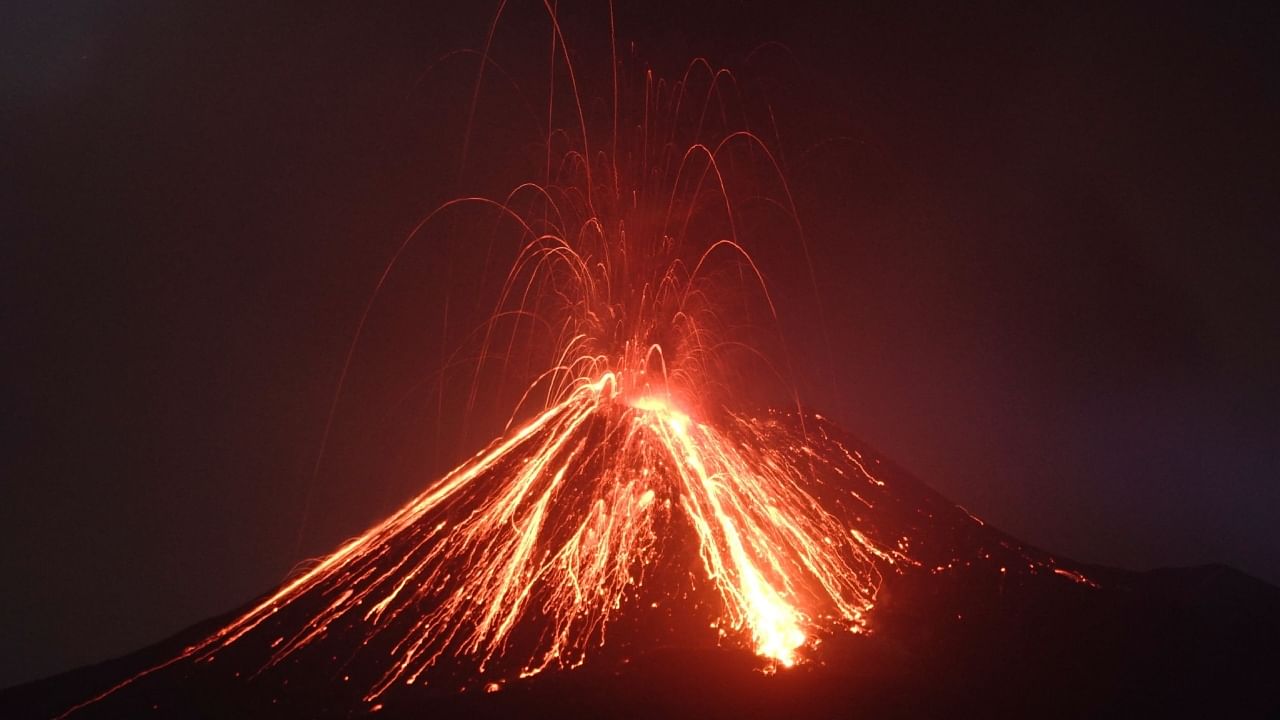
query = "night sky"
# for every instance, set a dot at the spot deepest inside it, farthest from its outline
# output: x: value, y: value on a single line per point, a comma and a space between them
x: 1045, y: 249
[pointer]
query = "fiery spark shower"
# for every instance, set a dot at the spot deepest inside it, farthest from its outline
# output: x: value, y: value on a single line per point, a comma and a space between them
x: 622, y: 463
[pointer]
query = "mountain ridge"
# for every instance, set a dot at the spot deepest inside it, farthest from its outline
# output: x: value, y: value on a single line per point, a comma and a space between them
x: 958, y: 628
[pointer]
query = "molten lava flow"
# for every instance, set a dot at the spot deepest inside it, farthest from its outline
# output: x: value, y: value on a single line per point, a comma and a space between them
x: 553, y: 528
x: 484, y: 560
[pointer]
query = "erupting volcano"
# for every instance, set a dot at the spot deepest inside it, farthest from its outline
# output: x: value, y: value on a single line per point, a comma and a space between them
x: 637, y: 505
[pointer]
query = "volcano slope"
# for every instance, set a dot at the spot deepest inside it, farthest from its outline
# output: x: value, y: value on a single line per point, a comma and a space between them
x: 615, y: 558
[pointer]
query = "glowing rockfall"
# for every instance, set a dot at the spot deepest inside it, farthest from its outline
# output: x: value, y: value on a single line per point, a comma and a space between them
x: 545, y: 534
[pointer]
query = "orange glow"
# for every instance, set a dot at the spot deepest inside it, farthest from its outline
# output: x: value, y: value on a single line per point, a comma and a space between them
x: 763, y: 543
x: 526, y: 554
x: 501, y: 542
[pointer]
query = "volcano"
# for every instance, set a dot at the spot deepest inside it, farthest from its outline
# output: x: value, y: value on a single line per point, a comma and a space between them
x: 639, y: 541
x: 615, y: 556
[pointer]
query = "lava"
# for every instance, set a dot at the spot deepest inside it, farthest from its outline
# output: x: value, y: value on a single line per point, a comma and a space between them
x: 569, y: 531
x: 778, y: 562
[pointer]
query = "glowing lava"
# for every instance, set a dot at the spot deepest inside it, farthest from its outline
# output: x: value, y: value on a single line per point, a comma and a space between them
x: 534, y: 545
x: 572, y: 528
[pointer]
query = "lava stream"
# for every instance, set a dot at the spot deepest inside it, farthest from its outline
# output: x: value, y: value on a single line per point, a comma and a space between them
x: 484, y: 560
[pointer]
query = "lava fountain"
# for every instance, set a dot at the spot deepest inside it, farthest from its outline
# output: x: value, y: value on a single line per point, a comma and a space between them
x: 632, y: 270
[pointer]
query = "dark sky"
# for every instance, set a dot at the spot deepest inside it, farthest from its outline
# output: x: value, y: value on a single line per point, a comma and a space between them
x: 1045, y: 248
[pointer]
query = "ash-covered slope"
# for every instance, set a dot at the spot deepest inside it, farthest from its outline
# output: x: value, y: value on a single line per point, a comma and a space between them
x: 646, y: 564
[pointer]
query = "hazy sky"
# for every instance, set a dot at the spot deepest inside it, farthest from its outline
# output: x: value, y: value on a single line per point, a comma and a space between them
x: 1045, y: 247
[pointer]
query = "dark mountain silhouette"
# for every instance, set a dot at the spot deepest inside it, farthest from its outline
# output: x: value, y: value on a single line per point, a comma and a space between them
x: 966, y: 621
